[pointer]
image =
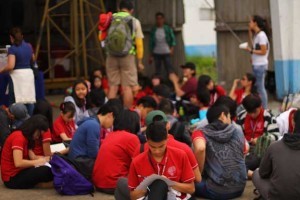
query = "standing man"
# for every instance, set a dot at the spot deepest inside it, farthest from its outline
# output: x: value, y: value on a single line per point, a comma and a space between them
x: 162, y: 42
x: 123, y: 42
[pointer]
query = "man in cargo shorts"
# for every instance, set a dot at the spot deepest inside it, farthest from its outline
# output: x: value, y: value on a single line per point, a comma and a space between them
x: 122, y: 69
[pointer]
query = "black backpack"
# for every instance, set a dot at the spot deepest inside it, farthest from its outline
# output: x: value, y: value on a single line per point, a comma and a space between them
x: 181, y: 133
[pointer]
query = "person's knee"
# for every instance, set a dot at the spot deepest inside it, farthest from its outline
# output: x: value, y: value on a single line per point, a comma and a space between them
x: 159, y: 185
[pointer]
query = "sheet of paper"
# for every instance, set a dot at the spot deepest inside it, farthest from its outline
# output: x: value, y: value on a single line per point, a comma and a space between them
x: 57, y: 147
x: 147, y: 181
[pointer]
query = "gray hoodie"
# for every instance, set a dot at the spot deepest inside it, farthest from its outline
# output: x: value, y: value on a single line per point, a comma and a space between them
x: 225, y: 169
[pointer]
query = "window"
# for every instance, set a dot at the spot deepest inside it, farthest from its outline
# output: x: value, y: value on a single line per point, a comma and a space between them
x: 207, y: 14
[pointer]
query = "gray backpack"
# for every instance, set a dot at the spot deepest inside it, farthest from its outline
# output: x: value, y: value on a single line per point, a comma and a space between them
x: 120, y: 35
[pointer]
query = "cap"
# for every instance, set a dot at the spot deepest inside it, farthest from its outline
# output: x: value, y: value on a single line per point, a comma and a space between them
x: 189, y: 65
x: 19, y: 111
x: 154, y: 113
x: 104, y: 23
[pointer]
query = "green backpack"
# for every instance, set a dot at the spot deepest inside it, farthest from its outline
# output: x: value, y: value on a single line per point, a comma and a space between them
x: 262, y: 144
x: 119, y: 41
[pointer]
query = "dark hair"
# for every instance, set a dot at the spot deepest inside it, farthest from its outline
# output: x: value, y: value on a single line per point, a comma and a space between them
x: 17, y: 35
x: 107, y: 108
x: 147, y: 102
x: 34, y: 123
x: 126, y: 4
x: 44, y: 108
x: 128, y: 121
x: 215, y: 112
x: 160, y: 14
x: 251, y: 103
x: 66, y: 107
x: 229, y: 103
x: 262, y: 24
x: 93, y: 81
x: 162, y: 90
x: 203, y: 96
x: 166, y: 106
x: 297, y: 121
x: 79, y: 102
x: 157, y: 131
x: 116, y: 105
x: 252, y: 78
x: 203, y: 81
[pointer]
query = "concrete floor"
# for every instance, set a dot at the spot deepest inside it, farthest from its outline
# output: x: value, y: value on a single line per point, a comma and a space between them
x: 50, y: 194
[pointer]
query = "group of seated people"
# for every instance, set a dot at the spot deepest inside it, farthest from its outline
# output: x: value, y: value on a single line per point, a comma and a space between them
x: 232, y: 140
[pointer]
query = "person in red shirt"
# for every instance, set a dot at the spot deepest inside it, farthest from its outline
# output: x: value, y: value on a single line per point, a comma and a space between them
x: 248, y: 87
x: 158, y: 115
x: 64, y: 125
x: 216, y: 91
x: 160, y: 159
x: 256, y: 121
x: 17, y: 170
x: 188, y: 88
x: 116, y: 152
x: 42, y: 145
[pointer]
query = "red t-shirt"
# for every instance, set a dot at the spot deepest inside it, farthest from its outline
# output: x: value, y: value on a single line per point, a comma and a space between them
x: 114, y: 158
x: 239, y: 95
x: 60, y: 126
x: 190, y: 88
x: 175, y: 144
x: 14, y: 141
x: 105, y: 84
x: 219, y: 91
x: 38, y: 146
x: 200, y: 135
x: 175, y: 166
x: 254, y: 128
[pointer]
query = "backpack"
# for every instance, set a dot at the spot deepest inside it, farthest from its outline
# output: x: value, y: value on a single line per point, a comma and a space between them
x: 119, y: 40
x: 262, y: 144
x: 67, y: 180
x: 181, y: 133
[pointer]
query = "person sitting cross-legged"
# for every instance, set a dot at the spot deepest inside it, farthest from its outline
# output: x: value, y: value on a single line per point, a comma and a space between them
x: 278, y: 176
x: 223, y: 143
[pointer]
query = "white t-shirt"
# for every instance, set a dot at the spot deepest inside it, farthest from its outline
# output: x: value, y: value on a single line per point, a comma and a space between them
x: 260, y: 39
x: 138, y: 29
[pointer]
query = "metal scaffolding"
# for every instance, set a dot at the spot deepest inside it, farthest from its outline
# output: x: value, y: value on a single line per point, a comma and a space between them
x: 82, y: 29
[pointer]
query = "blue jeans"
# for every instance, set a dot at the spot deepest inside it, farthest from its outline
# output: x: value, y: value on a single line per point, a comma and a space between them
x: 203, y: 191
x: 259, y: 72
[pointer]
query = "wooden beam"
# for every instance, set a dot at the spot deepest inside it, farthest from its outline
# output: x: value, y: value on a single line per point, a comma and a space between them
x: 76, y: 37
x: 38, y: 43
x: 58, y: 5
x: 61, y: 32
x: 83, y: 38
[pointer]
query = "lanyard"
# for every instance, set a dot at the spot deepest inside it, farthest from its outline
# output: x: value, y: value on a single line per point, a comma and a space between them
x: 153, y: 167
x: 253, y: 127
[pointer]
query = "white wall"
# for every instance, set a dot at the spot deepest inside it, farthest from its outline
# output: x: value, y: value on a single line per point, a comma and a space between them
x: 195, y: 31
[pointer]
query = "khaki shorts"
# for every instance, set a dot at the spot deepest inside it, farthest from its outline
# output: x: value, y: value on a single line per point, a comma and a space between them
x: 121, y: 70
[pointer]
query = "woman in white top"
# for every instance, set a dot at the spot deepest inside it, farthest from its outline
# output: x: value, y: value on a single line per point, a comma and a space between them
x: 258, y: 31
